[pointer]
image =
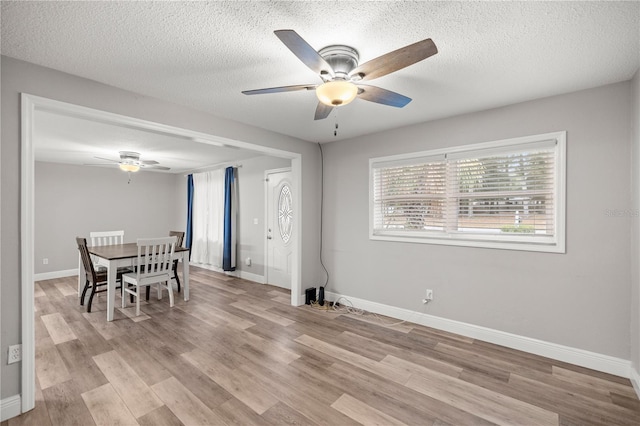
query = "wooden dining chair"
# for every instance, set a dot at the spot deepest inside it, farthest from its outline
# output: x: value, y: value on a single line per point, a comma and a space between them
x: 94, y: 279
x: 174, y: 268
x: 102, y: 238
x: 155, y: 256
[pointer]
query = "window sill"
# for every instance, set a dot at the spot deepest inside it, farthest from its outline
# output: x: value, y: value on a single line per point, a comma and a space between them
x: 546, y: 246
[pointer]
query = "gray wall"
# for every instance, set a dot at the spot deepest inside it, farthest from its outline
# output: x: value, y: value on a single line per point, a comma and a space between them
x: 635, y: 229
x: 180, y: 206
x: 72, y: 201
x: 18, y: 76
x: 75, y: 200
x: 251, y: 185
x: 579, y: 299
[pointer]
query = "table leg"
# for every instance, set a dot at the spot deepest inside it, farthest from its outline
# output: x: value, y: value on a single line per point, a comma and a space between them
x: 185, y: 275
x: 112, y: 271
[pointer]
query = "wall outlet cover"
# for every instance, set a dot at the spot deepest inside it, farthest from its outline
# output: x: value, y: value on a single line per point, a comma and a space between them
x: 15, y: 354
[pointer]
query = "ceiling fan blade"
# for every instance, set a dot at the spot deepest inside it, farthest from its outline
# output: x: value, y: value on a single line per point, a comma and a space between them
x: 322, y: 111
x: 281, y: 89
x: 149, y: 162
x: 396, y: 60
x: 382, y: 96
x: 99, y: 165
x: 107, y: 159
x: 307, y: 54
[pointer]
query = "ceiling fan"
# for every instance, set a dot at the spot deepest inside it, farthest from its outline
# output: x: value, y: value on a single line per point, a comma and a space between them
x: 338, y: 68
x: 130, y: 162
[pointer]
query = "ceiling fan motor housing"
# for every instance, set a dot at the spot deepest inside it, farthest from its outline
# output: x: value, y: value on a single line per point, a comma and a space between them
x: 343, y: 60
x: 129, y: 157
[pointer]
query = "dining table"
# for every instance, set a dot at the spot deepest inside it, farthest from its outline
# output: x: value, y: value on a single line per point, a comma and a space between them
x: 115, y: 256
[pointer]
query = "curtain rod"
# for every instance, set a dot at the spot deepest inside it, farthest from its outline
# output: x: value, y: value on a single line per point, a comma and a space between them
x: 214, y: 167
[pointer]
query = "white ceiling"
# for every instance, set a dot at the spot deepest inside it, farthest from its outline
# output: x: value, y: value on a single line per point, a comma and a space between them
x: 61, y: 138
x: 203, y: 54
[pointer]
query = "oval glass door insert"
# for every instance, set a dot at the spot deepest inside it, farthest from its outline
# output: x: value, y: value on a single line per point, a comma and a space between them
x: 285, y: 213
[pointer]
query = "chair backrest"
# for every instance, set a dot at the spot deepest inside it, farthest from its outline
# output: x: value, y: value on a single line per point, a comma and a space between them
x: 155, y: 255
x: 89, y: 270
x: 179, y: 235
x: 106, y: 238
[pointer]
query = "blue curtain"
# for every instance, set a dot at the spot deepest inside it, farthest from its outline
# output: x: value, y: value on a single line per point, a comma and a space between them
x: 230, y: 209
x: 189, y: 233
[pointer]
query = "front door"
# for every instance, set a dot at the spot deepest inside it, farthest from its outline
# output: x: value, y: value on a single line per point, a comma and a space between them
x: 280, y: 217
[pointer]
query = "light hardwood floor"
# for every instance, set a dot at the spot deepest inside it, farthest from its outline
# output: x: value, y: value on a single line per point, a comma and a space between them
x: 238, y: 354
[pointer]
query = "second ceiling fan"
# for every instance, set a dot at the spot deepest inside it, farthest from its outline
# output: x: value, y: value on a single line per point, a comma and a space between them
x: 130, y: 162
x: 337, y: 66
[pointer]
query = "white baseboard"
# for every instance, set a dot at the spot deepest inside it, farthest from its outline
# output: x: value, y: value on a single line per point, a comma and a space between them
x: 238, y: 273
x: 251, y: 277
x: 635, y: 381
x: 595, y: 361
x: 10, y: 407
x: 55, y: 274
x: 209, y: 267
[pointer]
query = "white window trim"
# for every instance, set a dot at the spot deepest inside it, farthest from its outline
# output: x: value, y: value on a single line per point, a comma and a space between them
x: 555, y: 244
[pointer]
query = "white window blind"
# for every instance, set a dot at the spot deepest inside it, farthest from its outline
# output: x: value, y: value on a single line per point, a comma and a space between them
x: 410, y: 197
x: 505, y: 194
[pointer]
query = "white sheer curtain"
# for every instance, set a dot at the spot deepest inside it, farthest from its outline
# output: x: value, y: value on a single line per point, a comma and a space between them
x: 208, y: 217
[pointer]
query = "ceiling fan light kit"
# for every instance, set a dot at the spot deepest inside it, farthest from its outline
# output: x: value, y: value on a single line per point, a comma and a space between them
x: 338, y: 67
x: 336, y: 93
x: 339, y: 91
x: 129, y: 161
x: 129, y: 167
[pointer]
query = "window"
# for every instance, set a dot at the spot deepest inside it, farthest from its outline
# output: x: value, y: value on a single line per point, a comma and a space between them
x: 506, y: 194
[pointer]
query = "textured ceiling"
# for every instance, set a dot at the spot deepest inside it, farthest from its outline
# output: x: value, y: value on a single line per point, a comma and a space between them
x: 203, y: 54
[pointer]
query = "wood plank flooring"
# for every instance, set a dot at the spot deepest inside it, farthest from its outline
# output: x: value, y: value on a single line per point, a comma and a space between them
x: 238, y: 354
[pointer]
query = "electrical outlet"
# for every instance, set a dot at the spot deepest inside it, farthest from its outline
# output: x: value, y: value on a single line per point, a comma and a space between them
x: 15, y: 354
x: 45, y: 261
x: 429, y: 295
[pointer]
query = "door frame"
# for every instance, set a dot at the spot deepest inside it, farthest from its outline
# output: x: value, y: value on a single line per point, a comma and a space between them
x: 29, y: 104
x: 266, y: 217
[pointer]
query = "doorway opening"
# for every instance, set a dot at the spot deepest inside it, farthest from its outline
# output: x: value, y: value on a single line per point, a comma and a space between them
x: 30, y: 105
